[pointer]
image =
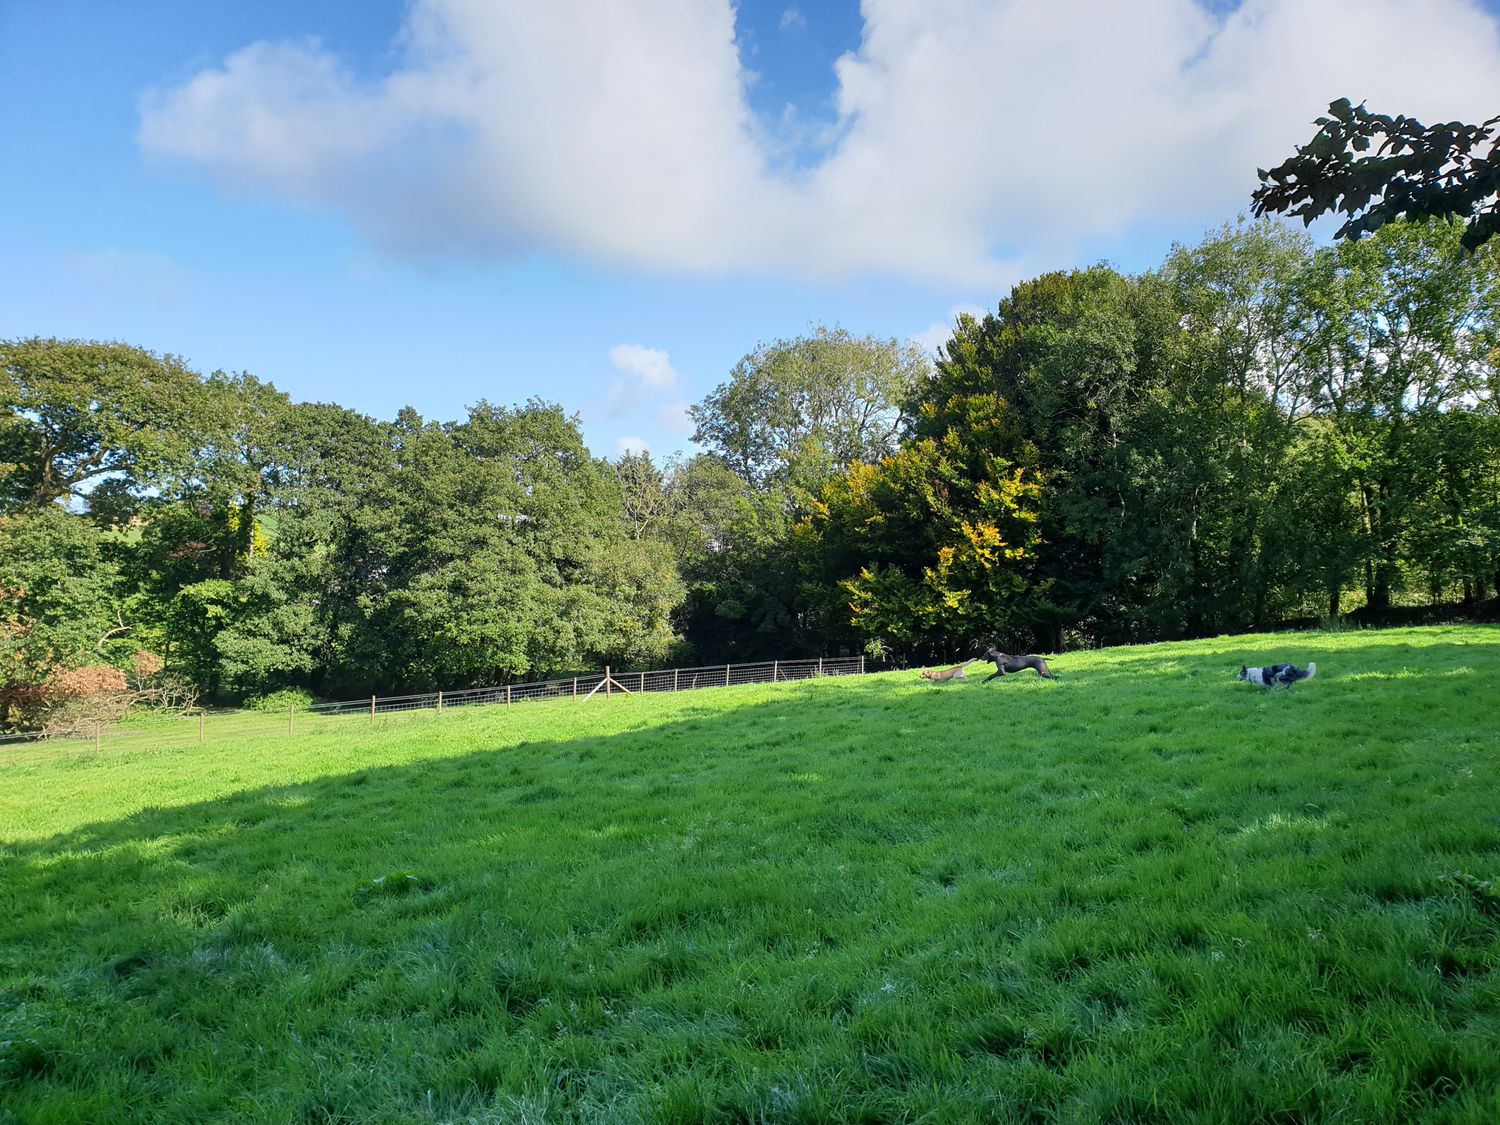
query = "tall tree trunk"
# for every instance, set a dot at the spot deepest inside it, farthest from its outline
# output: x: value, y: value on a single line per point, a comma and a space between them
x: 1367, y: 516
x: 1384, y: 548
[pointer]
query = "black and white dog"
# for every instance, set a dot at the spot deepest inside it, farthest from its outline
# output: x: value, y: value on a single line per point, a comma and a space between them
x: 1276, y: 675
x: 1005, y: 664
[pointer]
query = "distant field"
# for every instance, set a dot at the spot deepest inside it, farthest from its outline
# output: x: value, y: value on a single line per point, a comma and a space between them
x: 1142, y: 892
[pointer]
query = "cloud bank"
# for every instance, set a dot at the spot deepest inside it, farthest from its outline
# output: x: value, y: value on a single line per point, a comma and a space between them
x: 972, y: 135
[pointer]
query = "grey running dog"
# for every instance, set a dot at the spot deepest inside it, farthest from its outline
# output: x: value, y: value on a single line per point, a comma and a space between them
x: 1005, y: 665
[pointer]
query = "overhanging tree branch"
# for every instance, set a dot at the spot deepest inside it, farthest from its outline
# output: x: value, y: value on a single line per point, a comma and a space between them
x: 1415, y: 171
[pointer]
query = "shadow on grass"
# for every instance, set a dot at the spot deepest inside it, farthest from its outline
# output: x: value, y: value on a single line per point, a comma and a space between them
x: 451, y: 913
x: 867, y: 899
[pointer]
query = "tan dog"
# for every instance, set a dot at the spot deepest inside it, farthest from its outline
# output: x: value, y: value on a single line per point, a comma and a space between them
x: 943, y: 675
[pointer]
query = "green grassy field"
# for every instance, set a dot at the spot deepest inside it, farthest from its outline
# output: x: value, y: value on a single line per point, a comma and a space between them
x: 1142, y: 892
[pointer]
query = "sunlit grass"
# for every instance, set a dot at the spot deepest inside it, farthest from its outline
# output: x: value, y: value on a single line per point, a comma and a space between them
x: 1141, y: 892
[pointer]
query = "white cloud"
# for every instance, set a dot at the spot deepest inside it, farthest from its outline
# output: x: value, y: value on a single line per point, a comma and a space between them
x: 645, y: 375
x: 631, y: 445
x: 792, y: 18
x: 975, y: 136
x: 651, y: 365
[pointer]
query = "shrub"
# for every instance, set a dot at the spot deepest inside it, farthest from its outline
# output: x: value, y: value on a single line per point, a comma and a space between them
x: 281, y: 700
x: 86, y: 682
x: 146, y: 664
x: 80, y: 700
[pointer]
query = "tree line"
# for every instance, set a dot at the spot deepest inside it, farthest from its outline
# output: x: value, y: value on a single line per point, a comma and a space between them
x: 1257, y: 430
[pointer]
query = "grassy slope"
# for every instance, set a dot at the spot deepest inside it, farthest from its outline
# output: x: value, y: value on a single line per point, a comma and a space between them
x: 1143, y: 891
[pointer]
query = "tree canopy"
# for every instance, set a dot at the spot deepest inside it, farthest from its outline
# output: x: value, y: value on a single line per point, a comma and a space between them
x: 800, y: 410
x: 1260, y: 430
x: 76, y: 415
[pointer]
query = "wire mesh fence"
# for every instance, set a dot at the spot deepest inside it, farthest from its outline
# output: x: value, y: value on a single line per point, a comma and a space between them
x: 165, y: 732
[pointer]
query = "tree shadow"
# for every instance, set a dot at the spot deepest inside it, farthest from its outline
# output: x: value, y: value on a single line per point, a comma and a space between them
x: 579, y: 922
x: 286, y: 938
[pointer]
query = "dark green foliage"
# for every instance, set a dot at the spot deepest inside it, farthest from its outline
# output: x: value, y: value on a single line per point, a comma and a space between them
x: 1064, y: 381
x: 273, y: 544
x: 743, y: 598
x: 793, y: 415
x: 60, y: 601
x: 548, y: 578
x: 1231, y: 441
x: 1416, y: 172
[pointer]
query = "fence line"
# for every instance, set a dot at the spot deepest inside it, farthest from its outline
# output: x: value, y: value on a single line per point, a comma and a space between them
x: 205, y: 726
x: 603, y: 683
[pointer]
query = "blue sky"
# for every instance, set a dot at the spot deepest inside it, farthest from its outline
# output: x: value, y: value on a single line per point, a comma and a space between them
x: 429, y: 203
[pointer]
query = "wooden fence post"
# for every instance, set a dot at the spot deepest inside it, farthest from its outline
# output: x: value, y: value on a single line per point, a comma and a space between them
x: 775, y: 671
x: 726, y: 675
x: 507, y: 695
x: 674, y: 679
x: 200, y: 728
x: 643, y: 683
x: 440, y: 701
x: 575, y: 687
x: 861, y: 664
x: 606, y: 680
x: 820, y: 665
x: 372, y: 710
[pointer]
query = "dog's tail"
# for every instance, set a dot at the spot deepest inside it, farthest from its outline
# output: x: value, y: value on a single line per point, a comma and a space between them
x: 1312, y: 670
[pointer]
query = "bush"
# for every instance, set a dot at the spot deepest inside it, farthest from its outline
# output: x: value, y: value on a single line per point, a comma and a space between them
x: 146, y: 664
x: 283, y: 699
x: 87, y: 683
x: 79, y: 701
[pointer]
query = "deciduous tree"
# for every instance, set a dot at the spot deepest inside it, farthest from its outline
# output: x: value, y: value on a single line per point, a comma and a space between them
x: 76, y: 413
x: 798, y: 411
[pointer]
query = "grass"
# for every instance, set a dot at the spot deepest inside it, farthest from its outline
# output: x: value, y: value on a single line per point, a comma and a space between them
x: 1142, y: 892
